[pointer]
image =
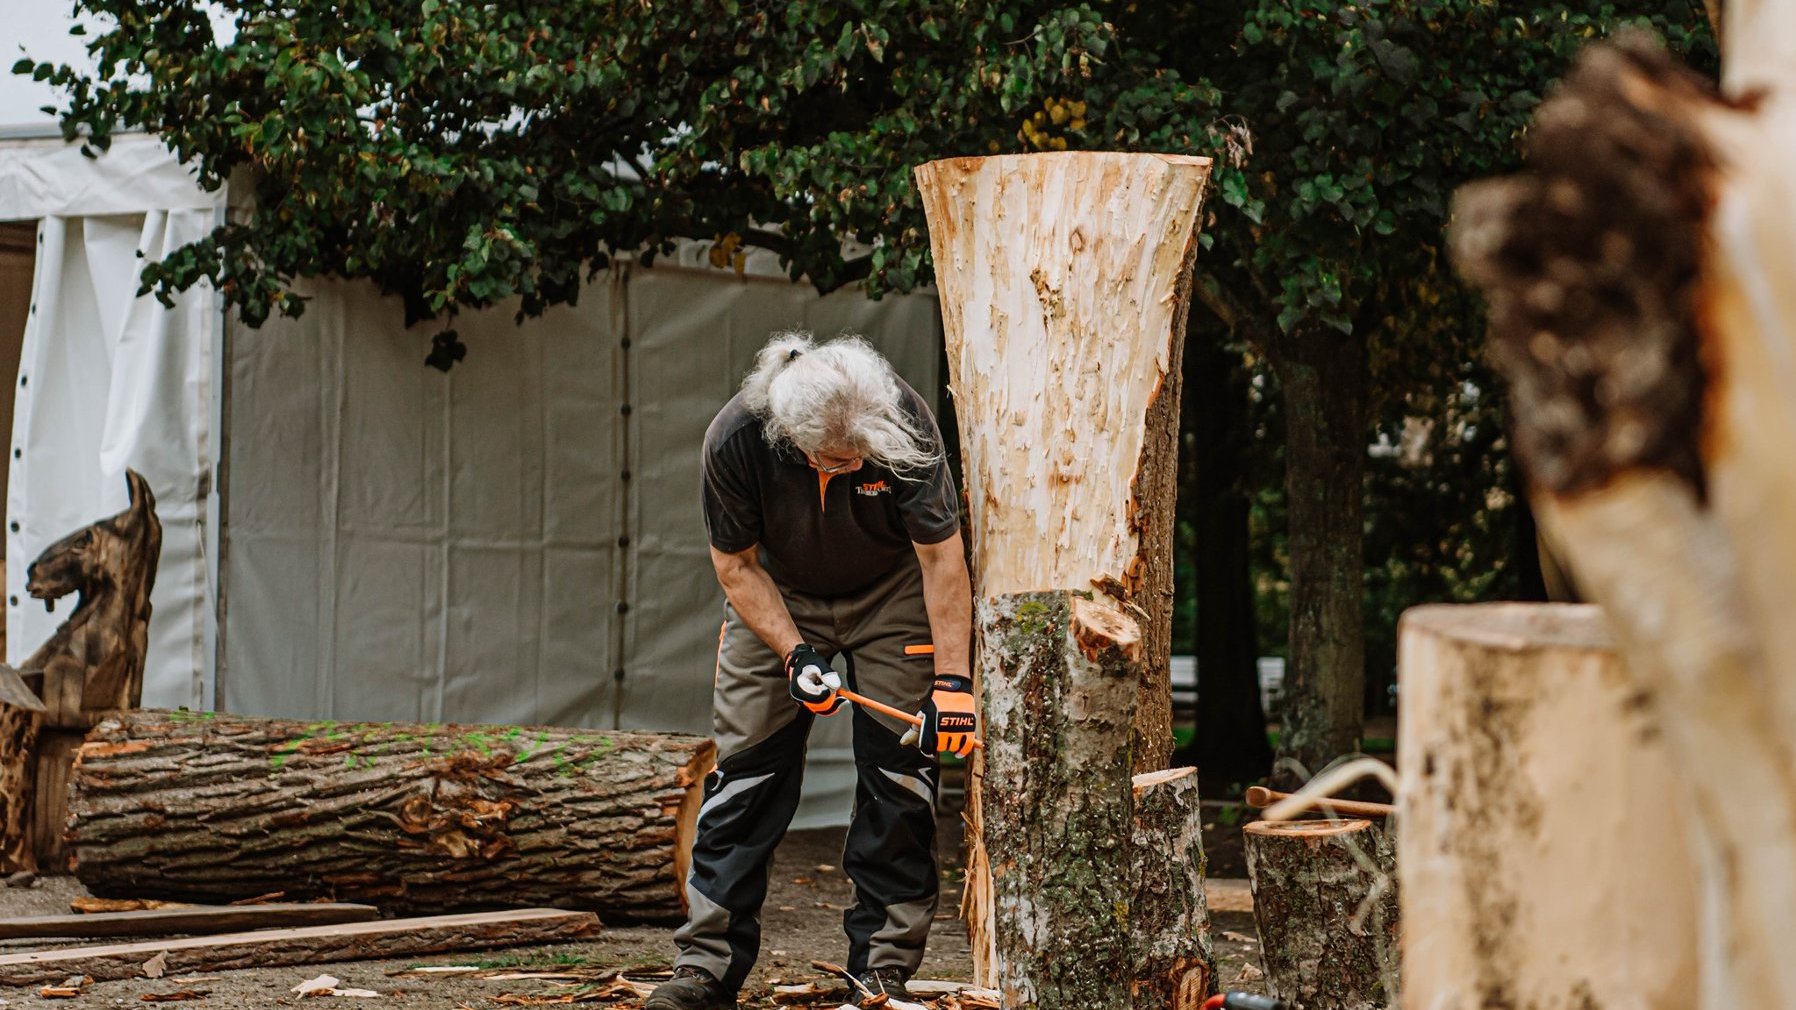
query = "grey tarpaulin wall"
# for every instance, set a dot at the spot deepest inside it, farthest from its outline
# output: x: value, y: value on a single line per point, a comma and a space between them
x: 404, y: 544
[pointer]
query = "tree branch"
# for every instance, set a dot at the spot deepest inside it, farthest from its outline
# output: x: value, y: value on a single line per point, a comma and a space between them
x: 1242, y: 320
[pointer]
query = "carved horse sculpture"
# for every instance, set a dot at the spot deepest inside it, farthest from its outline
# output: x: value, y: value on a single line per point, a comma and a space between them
x: 94, y: 661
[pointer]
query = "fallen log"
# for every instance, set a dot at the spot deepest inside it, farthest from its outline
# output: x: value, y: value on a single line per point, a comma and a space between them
x: 1169, y: 917
x: 188, y: 919
x: 271, y: 948
x: 1525, y: 752
x: 1325, y: 902
x: 417, y: 818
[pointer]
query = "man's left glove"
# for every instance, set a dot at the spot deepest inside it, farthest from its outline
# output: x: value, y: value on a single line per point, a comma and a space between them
x: 812, y: 681
x: 950, y: 719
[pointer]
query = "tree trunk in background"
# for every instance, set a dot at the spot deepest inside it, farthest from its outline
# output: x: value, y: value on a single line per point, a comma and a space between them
x: 1230, y: 746
x: 1325, y: 902
x: 1065, y: 281
x: 416, y: 818
x: 1524, y: 752
x: 1323, y: 374
x: 1640, y: 308
x: 1169, y: 918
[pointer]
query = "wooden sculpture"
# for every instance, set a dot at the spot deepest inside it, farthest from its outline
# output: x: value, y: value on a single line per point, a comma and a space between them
x: 91, y: 666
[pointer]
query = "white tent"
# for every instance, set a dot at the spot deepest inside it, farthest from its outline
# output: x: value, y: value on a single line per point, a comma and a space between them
x: 352, y: 535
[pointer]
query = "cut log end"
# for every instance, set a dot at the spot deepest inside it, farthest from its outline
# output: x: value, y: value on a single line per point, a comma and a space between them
x: 1100, y: 630
x: 1149, y: 779
x: 1515, y: 627
x: 1305, y: 829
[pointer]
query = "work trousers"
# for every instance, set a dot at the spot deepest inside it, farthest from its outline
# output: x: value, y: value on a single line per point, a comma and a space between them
x: 879, y: 640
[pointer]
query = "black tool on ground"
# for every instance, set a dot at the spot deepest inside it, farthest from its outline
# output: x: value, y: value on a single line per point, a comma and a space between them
x: 1244, y: 1001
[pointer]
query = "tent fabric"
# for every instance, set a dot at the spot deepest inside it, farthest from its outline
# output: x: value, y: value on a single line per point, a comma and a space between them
x: 109, y: 381
x: 518, y: 540
x: 48, y: 178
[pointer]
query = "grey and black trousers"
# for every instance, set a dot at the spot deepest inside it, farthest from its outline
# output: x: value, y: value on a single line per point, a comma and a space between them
x: 879, y: 640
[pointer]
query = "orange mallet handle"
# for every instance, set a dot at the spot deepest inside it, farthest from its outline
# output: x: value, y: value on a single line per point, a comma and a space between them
x: 896, y: 713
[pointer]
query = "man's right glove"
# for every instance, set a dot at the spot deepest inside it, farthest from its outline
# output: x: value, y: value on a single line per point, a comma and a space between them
x: 950, y: 719
x: 812, y: 681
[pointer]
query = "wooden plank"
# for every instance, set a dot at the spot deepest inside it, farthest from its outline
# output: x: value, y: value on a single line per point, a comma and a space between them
x: 193, y: 919
x: 306, y: 945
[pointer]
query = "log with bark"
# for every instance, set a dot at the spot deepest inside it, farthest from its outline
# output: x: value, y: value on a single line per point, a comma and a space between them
x: 410, y: 817
x: 1639, y: 306
x: 1169, y: 916
x: 1325, y: 902
x: 1527, y: 758
x: 1065, y: 281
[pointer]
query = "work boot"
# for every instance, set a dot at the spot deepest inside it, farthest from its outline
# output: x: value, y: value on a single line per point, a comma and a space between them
x: 690, y: 989
x: 887, y: 981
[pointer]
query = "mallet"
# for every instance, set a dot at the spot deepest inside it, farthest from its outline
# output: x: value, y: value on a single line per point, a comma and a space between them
x: 1260, y: 796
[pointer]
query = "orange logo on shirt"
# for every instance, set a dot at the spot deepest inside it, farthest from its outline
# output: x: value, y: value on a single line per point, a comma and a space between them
x: 873, y: 488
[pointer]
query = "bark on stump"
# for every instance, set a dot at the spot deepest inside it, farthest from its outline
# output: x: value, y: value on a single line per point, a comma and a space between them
x: 415, y: 818
x: 1638, y: 308
x: 1061, y: 674
x: 1525, y: 753
x: 1325, y: 902
x: 1065, y: 282
x: 1175, y: 968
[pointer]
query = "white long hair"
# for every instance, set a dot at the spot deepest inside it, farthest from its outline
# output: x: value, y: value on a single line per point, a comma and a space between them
x: 836, y: 395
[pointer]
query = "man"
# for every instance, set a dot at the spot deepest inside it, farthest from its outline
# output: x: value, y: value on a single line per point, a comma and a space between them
x: 835, y: 531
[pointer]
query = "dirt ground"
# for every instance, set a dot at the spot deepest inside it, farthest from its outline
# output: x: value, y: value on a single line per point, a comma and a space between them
x: 801, y: 922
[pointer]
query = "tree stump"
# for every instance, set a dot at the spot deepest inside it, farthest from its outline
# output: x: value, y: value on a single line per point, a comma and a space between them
x: 1065, y: 282
x: 1169, y: 920
x: 414, y: 818
x: 1525, y: 754
x: 1325, y: 902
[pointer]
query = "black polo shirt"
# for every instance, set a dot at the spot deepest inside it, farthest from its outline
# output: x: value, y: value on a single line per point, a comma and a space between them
x: 821, y: 535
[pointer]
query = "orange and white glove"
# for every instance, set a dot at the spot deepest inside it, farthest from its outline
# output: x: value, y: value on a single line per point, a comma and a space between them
x: 950, y: 718
x: 812, y: 681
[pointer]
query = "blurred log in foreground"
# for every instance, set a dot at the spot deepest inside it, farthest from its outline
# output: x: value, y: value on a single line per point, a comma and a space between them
x: 1640, y: 306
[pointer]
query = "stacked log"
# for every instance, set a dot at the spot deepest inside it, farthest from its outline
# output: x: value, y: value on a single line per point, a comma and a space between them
x: 414, y: 818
